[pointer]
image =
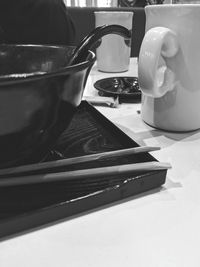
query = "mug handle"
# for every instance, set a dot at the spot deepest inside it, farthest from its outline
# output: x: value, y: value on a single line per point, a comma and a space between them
x: 154, y: 75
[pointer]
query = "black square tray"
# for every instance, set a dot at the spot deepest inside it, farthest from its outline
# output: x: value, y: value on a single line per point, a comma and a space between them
x: 30, y: 206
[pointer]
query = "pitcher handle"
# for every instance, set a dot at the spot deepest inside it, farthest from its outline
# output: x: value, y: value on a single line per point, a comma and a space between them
x: 154, y: 75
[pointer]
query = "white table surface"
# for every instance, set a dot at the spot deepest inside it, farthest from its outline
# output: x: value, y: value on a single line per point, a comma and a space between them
x: 160, y: 228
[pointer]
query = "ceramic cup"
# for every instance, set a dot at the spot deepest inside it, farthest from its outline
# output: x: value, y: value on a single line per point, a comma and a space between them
x: 113, y: 54
x: 169, y: 67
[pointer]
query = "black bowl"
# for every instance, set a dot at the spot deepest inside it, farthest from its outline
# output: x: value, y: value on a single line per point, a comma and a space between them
x: 39, y: 94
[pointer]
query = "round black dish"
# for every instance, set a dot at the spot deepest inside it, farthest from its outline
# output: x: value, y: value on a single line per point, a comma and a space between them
x: 126, y: 88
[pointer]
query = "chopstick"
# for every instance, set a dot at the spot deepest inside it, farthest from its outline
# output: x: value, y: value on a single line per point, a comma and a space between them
x: 76, y: 160
x: 127, y: 169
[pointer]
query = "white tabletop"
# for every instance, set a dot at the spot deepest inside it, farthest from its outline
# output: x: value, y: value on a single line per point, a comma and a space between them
x: 159, y: 228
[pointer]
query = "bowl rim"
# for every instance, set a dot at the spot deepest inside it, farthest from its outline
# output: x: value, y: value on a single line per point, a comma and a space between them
x: 25, y: 77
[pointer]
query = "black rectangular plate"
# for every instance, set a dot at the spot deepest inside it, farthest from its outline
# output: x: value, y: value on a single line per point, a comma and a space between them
x: 26, y: 207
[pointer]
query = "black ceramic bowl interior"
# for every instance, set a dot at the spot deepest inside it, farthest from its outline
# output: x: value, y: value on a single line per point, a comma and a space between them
x: 39, y: 94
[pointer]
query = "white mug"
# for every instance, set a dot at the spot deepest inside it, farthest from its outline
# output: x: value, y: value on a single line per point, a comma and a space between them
x: 113, y: 54
x: 169, y: 67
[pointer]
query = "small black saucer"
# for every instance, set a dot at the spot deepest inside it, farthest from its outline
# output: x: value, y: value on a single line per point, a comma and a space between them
x: 126, y: 88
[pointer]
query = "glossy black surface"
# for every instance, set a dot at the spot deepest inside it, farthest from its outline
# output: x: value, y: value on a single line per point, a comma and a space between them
x: 37, y: 98
x: 40, y: 88
x: 29, y: 206
x: 92, y: 40
x: 124, y: 87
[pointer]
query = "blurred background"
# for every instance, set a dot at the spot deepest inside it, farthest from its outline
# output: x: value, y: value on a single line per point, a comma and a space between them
x: 105, y: 3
